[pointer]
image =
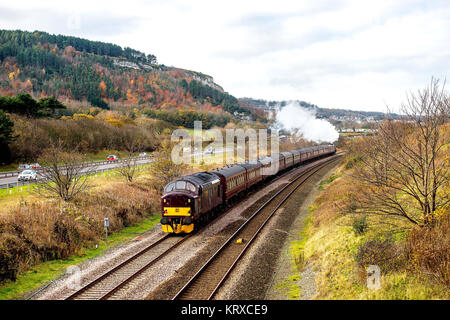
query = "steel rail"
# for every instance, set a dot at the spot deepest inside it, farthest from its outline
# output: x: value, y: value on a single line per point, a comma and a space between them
x: 145, y: 267
x: 110, y: 272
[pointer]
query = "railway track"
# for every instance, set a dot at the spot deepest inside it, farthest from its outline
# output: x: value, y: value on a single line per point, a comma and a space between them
x: 105, y: 286
x: 205, y: 283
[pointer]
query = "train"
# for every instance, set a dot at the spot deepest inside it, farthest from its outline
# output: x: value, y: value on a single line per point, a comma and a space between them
x: 191, y: 201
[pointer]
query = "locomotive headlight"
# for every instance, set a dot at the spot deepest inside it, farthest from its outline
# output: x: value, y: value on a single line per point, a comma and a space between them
x: 165, y: 200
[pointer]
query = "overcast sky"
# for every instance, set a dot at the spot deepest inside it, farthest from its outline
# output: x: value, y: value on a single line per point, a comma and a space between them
x: 360, y: 55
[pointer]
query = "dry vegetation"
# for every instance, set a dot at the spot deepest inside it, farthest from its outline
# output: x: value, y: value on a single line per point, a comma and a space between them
x: 37, y: 230
x: 66, y: 175
x: 83, y: 132
x: 414, y: 261
x: 404, y: 169
x: 387, y: 205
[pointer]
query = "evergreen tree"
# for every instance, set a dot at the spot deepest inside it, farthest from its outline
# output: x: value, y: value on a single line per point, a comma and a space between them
x: 6, y: 136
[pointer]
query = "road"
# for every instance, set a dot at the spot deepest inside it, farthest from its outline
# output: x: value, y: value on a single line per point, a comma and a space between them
x: 12, y: 180
x: 98, y: 168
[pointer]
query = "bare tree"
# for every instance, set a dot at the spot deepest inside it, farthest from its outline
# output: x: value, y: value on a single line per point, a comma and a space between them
x: 163, y: 169
x: 405, y: 168
x: 129, y: 169
x: 65, y: 175
x: 133, y: 142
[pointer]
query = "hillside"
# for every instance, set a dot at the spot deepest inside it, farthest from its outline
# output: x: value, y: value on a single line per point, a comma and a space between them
x: 104, y: 75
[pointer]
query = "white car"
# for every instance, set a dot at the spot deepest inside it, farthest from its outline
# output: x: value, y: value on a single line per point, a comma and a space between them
x: 143, y: 154
x: 27, y: 175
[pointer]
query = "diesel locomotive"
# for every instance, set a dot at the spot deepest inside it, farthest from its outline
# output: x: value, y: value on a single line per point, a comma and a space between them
x: 193, y: 200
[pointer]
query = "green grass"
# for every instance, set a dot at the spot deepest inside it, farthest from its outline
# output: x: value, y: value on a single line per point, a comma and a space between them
x: 331, y: 248
x: 43, y: 272
x: 330, y: 179
x: 23, y: 190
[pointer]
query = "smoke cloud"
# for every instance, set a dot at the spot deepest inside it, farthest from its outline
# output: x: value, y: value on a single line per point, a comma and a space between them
x: 303, y: 123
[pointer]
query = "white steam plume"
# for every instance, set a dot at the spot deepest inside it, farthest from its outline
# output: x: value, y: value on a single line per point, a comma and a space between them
x: 304, y: 123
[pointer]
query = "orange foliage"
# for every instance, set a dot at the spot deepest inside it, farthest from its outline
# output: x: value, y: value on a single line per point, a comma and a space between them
x: 131, y: 97
x: 102, y: 87
x: 69, y: 51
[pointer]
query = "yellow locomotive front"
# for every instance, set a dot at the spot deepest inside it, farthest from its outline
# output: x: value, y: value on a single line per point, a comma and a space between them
x: 178, y: 207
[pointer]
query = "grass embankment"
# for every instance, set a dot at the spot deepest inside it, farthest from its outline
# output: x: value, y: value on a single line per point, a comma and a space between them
x: 40, y: 238
x: 341, y: 247
x: 30, y: 280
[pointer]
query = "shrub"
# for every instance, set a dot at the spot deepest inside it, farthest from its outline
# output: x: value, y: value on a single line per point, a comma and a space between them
x: 429, y: 250
x: 352, y: 162
x: 360, y: 224
x: 386, y: 254
x: 11, y: 250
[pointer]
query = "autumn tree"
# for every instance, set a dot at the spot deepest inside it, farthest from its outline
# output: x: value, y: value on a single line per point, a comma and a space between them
x: 405, y: 168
